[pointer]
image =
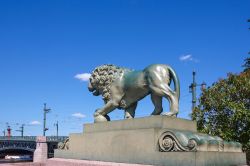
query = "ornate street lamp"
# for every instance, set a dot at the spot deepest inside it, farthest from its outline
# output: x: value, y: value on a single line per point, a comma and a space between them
x: 192, y: 89
x: 45, y: 111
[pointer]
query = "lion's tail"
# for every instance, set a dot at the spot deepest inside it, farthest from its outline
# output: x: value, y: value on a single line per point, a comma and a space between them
x: 175, y: 78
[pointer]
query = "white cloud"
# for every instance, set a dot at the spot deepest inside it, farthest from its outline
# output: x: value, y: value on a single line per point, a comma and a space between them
x: 83, y: 76
x: 78, y: 115
x: 186, y: 57
x: 35, y: 122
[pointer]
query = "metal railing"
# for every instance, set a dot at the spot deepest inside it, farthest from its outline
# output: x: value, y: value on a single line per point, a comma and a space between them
x: 33, y: 138
x: 56, y: 139
x: 17, y: 138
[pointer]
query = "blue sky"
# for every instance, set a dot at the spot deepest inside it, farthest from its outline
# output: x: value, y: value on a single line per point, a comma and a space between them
x: 45, y: 44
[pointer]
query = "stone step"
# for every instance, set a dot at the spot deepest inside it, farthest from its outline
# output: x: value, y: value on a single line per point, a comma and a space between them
x: 143, y: 123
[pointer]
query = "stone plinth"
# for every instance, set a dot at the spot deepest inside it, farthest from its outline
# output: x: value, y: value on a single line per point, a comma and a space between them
x: 41, y: 152
x: 142, y: 123
x: 155, y: 140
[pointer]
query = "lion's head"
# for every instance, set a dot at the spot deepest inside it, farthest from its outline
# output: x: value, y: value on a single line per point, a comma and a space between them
x: 101, y: 78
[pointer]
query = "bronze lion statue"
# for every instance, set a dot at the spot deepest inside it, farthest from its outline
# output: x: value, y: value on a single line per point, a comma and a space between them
x: 122, y: 88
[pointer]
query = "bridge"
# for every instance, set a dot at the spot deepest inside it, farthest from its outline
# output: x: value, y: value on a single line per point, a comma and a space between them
x: 27, y: 144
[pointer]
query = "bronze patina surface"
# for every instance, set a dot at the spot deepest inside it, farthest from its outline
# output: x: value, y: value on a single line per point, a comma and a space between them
x: 122, y: 88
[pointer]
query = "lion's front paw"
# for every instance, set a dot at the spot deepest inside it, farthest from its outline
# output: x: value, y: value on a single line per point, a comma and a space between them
x: 101, y: 118
x: 97, y: 113
x: 171, y: 114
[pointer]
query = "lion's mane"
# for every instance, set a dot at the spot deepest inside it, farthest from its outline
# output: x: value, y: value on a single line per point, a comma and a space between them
x: 103, y: 76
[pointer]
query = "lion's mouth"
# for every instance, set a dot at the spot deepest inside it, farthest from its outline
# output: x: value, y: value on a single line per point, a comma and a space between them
x: 90, y: 87
x: 96, y: 92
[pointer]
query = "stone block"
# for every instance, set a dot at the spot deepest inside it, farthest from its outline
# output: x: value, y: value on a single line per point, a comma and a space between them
x: 41, y: 152
x: 142, y: 123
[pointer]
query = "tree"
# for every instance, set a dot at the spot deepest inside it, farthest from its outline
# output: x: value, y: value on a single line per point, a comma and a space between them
x: 247, y: 64
x: 224, y: 109
x: 247, y: 60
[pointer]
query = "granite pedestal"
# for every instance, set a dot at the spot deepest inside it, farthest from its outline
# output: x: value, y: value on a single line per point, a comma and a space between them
x: 154, y: 140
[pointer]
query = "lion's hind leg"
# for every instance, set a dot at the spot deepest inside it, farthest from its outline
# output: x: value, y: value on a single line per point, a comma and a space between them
x: 157, y: 101
x: 165, y: 91
x: 130, y: 111
x: 173, y: 101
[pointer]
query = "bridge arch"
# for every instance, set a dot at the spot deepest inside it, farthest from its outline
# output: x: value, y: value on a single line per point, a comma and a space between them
x: 16, y: 148
x: 27, y: 144
x: 8, y: 145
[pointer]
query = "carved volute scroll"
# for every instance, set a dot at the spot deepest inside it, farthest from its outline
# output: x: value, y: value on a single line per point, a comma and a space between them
x: 169, y: 143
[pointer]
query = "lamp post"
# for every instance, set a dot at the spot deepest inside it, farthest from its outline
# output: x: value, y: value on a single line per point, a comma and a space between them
x: 248, y: 21
x: 21, y: 130
x: 3, y: 132
x: 192, y: 89
x: 45, y: 111
x: 56, y: 124
x: 9, y: 131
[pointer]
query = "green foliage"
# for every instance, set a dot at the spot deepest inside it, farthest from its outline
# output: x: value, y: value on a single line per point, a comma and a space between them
x: 247, y: 64
x: 224, y: 109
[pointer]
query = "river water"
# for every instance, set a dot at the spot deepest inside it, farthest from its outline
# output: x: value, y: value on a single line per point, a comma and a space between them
x: 13, y: 161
